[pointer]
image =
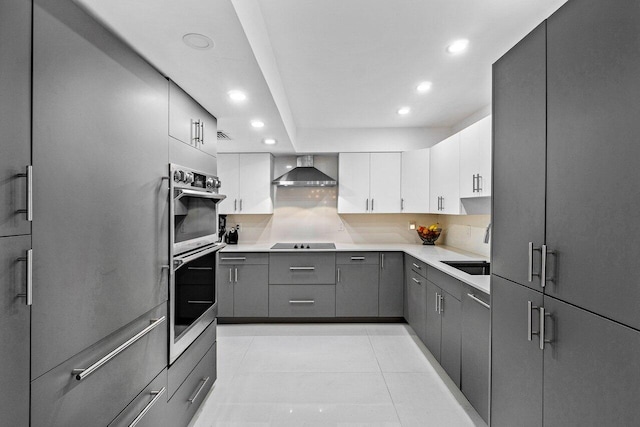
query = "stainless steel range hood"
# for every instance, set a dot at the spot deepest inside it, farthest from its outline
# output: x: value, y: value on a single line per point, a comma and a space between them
x: 305, y: 175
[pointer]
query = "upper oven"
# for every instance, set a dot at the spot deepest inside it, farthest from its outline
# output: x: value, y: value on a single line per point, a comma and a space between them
x: 193, y: 208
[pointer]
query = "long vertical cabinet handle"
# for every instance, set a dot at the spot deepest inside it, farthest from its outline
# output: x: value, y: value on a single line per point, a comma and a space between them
x: 382, y: 261
x: 230, y: 275
x: 401, y: 204
x: 474, y: 183
x: 543, y: 316
x: 437, y: 303
x: 29, y: 175
x: 530, y: 272
x: 236, y: 274
x: 29, y: 285
x: 543, y: 267
x: 372, y: 205
x: 367, y: 205
x: 202, y: 132
x: 240, y: 205
x: 443, y: 203
x: 440, y: 303
x: 530, y: 308
x: 479, y: 180
x: 338, y: 274
x: 235, y: 205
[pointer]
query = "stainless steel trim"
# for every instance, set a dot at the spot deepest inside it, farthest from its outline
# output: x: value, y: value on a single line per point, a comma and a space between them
x: 479, y: 301
x: 416, y: 280
x: 479, y: 185
x: 474, y: 182
x: 357, y: 258
x: 543, y: 266
x: 338, y: 270
x: 202, y: 132
x: 372, y: 205
x: 236, y: 275
x: 542, y: 316
x: 233, y: 258
x: 230, y: 276
x: 440, y: 303
x: 367, y: 205
x: 29, y: 282
x: 416, y: 266
x: 186, y: 192
x: 437, y: 301
x: 82, y: 373
x: 530, y: 272
x: 29, y: 209
x: 240, y: 205
x: 156, y: 396
x: 442, y: 203
x: 401, y: 204
x: 193, y: 398
x: 530, y: 308
x: 200, y: 268
x: 302, y: 268
x: 180, y: 260
x: 199, y: 302
x: 382, y: 261
x: 303, y: 301
x: 235, y: 205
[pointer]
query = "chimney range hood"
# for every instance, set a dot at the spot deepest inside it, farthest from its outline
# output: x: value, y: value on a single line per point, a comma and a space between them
x: 305, y: 175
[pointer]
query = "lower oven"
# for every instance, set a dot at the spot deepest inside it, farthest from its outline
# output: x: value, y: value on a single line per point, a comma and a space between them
x: 192, y: 248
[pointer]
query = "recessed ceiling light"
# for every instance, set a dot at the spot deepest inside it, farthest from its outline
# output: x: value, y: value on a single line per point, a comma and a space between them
x: 269, y: 141
x: 197, y: 41
x: 458, y: 46
x: 423, y: 87
x: 404, y: 110
x: 236, y: 95
x: 257, y: 123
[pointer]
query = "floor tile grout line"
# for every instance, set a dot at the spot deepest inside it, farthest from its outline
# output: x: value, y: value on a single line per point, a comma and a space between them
x: 384, y: 380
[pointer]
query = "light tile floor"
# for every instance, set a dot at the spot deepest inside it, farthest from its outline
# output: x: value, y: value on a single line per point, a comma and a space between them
x: 330, y: 375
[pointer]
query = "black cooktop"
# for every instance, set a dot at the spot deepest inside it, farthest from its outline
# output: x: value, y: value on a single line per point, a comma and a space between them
x: 304, y: 246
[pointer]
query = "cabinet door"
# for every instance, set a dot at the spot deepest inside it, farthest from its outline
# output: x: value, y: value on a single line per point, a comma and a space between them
x: 209, y: 134
x: 229, y: 174
x: 183, y: 111
x: 384, y: 187
x: 100, y: 227
x: 415, y: 181
x: 416, y: 302
x: 256, y: 190
x: 475, y: 159
x: 357, y: 290
x: 476, y: 343
x: 450, y: 347
x: 225, y: 282
x: 14, y: 332
x: 353, y: 183
x: 15, y: 114
x: 444, y: 174
x: 592, y: 153
x: 591, y: 369
x: 434, y: 320
x: 519, y: 129
x: 516, y: 363
x: 391, y: 295
x: 251, y: 291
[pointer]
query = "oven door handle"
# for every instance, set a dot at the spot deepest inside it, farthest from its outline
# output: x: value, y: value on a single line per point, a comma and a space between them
x: 180, y: 260
x: 182, y: 192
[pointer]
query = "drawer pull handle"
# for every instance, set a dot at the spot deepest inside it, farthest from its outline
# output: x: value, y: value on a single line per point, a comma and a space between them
x: 302, y: 268
x: 234, y: 258
x: 200, y: 268
x: 199, y: 302
x: 301, y: 301
x: 417, y: 266
x: 28, y: 295
x: 357, y: 258
x: 479, y: 301
x: 416, y: 280
x: 29, y: 175
x: 203, y: 382
x: 81, y: 374
x: 156, y: 396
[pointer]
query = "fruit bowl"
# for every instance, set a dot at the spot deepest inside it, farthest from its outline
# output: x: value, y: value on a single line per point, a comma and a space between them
x: 428, y: 236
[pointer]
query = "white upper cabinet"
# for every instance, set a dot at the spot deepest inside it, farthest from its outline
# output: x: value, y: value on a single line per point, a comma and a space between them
x: 445, y: 176
x: 475, y: 159
x: 369, y: 182
x: 415, y: 181
x: 246, y: 181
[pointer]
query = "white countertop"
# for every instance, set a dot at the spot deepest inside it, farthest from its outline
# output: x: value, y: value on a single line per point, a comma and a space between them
x: 432, y: 255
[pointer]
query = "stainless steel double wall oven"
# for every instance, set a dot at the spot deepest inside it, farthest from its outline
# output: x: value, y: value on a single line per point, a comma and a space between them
x: 193, y: 245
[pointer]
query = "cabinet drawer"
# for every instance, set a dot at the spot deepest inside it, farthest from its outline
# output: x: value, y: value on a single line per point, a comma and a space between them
x: 187, y: 361
x: 190, y: 395
x: 302, y: 269
x: 417, y: 266
x: 59, y: 399
x: 452, y: 286
x: 302, y: 301
x: 232, y: 258
x: 358, y: 258
x: 149, y: 407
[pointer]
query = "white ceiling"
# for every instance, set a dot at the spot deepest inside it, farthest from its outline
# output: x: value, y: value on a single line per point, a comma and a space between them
x: 326, y: 64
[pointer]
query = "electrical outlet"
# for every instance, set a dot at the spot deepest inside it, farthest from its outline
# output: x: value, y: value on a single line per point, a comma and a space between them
x: 468, y: 231
x: 341, y: 226
x: 237, y: 226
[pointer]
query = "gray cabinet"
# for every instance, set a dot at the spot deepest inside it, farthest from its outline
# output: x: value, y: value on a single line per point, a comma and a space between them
x: 443, y: 329
x: 309, y: 268
x: 391, y: 285
x: 243, y: 285
x: 302, y: 301
x: 14, y: 332
x: 476, y: 343
x: 15, y: 114
x: 357, y: 284
x: 519, y: 132
x: 416, y: 286
x: 149, y: 408
x: 190, y: 123
x: 100, y: 228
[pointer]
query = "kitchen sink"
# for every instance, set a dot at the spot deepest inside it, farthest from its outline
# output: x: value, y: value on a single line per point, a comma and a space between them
x: 475, y: 268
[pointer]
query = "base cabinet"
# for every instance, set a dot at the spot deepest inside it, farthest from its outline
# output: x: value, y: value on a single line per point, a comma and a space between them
x: 357, y: 276
x: 416, y: 287
x: 443, y: 330
x: 243, y: 285
x: 149, y: 408
x: 391, y: 285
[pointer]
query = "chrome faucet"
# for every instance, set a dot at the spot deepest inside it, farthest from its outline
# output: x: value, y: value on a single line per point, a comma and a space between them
x: 487, y: 234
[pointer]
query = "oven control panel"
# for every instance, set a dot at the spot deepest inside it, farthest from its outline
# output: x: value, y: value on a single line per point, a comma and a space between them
x: 188, y: 178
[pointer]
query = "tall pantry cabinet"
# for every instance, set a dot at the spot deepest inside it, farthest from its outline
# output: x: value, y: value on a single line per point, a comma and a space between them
x: 565, y: 323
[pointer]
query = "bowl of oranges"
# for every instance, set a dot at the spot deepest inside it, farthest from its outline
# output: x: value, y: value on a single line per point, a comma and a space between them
x: 429, y: 234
